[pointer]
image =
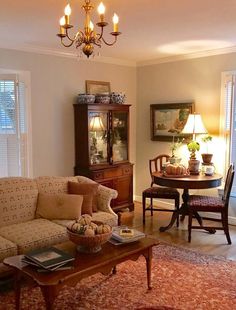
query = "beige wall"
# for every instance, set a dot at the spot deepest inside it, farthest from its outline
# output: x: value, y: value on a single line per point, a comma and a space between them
x: 197, y: 80
x: 55, y: 82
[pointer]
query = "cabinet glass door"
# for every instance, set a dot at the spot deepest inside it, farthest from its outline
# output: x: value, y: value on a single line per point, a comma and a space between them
x: 98, y: 149
x: 120, y: 136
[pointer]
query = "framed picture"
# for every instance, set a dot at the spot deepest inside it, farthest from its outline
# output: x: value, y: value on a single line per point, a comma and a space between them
x: 97, y: 87
x: 168, y: 120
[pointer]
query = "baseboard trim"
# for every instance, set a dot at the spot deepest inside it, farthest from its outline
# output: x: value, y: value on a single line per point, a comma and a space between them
x: 166, y: 204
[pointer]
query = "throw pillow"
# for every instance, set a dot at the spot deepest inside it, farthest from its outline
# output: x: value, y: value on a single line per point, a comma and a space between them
x: 85, y: 189
x: 59, y: 206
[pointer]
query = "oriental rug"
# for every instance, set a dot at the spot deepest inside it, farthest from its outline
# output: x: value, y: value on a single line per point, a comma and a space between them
x: 181, y: 279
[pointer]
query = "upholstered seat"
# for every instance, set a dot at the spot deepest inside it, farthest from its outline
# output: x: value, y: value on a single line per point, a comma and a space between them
x: 212, y: 204
x: 161, y: 192
x: 201, y: 203
x: 155, y: 192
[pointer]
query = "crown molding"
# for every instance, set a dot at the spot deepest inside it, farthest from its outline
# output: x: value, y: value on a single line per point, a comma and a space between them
x: 68, y: 54
x: 121, y: 62
x: 215, y: 52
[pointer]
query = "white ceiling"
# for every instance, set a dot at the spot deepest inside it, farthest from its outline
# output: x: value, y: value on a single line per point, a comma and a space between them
x: 151, y: 29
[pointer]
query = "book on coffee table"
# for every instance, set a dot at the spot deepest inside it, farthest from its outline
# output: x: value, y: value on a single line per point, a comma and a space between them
x: 48, y: 258
x: 126, y: 235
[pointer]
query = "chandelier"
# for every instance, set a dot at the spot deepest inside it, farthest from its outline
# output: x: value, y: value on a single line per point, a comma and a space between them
x: 87, y: 39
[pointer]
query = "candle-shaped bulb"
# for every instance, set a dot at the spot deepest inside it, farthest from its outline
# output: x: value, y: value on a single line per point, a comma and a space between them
x: 91, y: 25
x: 115, y: 20
x: 62, y: 23
x: 67, y: 12
x: 101, y: 11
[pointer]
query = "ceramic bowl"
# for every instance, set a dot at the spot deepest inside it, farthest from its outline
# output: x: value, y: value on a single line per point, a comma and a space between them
x: 117, y: 98
x: 86, y: 98
x: 102, y: 98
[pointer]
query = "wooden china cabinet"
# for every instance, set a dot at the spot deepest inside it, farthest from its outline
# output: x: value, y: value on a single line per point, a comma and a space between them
x: 102, y: 148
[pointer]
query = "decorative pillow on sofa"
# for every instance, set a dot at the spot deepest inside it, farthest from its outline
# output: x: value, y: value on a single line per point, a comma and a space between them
x: 59, y: 206
x: 89, y: 204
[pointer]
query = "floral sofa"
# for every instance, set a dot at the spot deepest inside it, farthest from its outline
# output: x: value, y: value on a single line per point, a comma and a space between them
x: 21, y: 231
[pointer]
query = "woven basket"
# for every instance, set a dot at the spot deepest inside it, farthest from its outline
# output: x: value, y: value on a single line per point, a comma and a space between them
x: 89, y: 244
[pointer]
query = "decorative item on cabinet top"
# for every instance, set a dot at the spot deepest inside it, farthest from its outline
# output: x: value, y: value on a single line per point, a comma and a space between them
x: 86, y: 98
x: 97, y: 87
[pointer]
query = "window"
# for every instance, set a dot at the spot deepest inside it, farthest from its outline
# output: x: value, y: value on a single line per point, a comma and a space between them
x: 14, y: 129
x: 228, y: 121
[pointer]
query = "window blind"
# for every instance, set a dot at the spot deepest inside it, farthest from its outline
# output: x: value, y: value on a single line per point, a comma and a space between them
x: 13, y: 130
x: 230, y: 124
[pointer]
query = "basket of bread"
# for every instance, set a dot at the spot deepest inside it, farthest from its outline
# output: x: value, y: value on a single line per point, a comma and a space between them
x: 88, y: 235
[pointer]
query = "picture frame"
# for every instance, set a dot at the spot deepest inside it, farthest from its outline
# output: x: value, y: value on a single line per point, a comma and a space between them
x: 97, y: 87
x: 168, y: 120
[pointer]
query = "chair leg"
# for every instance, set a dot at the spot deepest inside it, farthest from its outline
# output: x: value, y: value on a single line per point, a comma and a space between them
x: 190, y: 217
x: 144, y: 208
x: 151, y: 206
x: 177, y: 208
x: 225, y: 224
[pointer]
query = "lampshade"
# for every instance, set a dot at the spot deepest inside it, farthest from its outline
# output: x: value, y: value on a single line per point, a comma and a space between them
x: 96, y: 123
x: 194, y: 125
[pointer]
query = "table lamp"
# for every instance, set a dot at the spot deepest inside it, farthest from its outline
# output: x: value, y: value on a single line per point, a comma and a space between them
x: 96, y: 125
x: 194, y: 125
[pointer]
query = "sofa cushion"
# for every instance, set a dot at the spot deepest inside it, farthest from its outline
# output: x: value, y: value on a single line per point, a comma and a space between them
x: 106, y: 218
x: 34, y: 234
x: 54, y: 185
x: 60, y: 206
x: 7, y: 248
x: 85, y: 189
x: 18, y: 199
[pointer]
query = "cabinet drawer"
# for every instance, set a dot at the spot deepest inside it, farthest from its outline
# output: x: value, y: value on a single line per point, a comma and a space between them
x: 112, y: 173
x: 98, y: 175
x: 127, y: 170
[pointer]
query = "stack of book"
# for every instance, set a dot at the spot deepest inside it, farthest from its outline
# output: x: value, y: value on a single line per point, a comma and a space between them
x: 49, y: 259
x: 125, y: 235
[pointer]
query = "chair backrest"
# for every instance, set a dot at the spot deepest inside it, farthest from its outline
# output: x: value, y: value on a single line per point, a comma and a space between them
x: 228, y: 184
x: 156, y: 164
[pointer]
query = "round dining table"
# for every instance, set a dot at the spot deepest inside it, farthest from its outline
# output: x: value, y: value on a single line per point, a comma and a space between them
x: 186, y: 183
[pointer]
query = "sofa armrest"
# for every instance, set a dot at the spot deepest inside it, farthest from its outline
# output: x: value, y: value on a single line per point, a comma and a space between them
x: 105, y: 195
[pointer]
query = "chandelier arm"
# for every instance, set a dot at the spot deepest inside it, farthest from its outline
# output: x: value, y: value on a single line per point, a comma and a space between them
x: 109, y: 44
x: 66, y: 45
x: 79, y: 33
x: 97, y: 44
x: 101, y: 34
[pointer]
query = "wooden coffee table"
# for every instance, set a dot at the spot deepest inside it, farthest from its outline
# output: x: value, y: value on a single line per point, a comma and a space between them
x: 85, y: 265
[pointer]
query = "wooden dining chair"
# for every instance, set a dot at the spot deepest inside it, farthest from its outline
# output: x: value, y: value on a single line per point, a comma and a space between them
x: 198, y: 203
x: 154, y: 192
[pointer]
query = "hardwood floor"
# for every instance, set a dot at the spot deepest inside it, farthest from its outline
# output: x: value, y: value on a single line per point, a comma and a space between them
x: 201, y: 240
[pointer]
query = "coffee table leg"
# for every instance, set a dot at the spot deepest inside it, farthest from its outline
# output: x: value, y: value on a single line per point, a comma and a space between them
x: 49, y: 295
x: 17, y: 285
x: 148, y: 257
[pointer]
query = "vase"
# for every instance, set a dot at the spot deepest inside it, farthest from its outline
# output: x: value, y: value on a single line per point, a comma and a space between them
x: 193, y: 166
x: 206, y: 158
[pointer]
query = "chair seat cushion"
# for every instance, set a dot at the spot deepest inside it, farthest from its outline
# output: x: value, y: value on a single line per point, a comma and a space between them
x: 161, y: 192
x: 202, y: 203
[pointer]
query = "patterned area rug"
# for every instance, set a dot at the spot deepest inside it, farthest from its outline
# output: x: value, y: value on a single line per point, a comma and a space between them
x: 181, y: 279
